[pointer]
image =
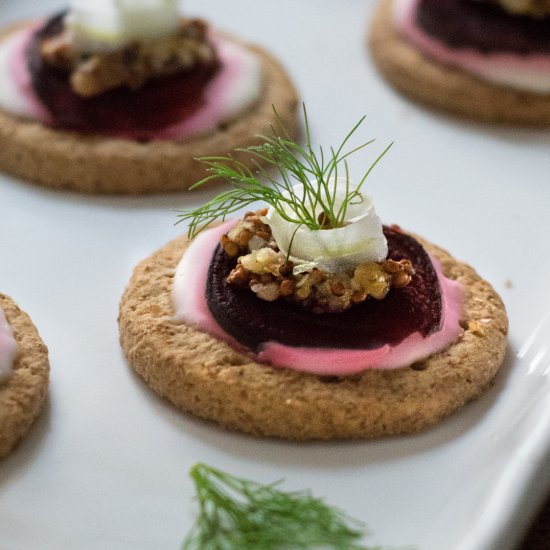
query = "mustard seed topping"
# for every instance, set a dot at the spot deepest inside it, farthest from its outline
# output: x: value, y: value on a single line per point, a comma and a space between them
x: 230, y: 247
x: 287, y: 287
x: 270, y: 276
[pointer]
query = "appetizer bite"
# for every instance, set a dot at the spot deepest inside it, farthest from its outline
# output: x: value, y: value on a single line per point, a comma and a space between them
x: 482, y: 59
x: 308, y: 318
x: 120, y: 96
x: 24, y: 374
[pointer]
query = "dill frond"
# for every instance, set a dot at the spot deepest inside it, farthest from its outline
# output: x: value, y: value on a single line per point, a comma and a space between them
x: 239, y: 514
x: 292, y: 164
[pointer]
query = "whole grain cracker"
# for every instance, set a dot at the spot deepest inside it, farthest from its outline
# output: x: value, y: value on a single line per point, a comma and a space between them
x: 105, y: 165
x: 22, y: 397
x: 206, y: 377
x: 448, y: 88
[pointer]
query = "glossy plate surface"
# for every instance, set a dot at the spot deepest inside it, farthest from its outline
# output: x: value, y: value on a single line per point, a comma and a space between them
x: 106, y: 465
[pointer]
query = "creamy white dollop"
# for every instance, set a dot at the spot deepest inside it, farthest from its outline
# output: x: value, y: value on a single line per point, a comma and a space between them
x: 8, y: 349
x: 361, y: 238
x: 105, y: 25
x: 530, y: 72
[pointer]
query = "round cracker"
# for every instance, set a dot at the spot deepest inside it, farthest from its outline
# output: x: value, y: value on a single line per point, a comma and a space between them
x: 23, y: 395
x: 207, y: 378
x: 448, y: 88
x: 105, y: 165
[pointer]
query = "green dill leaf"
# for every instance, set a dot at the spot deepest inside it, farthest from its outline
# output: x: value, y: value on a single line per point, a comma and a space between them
x: 239, y: 514
x: 292, y: 164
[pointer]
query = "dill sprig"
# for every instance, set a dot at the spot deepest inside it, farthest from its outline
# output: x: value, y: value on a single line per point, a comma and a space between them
x: 317, y: 171
x: 239, y: 514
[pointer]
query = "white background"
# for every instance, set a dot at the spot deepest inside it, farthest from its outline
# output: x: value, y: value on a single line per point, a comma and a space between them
x: 106, y: 465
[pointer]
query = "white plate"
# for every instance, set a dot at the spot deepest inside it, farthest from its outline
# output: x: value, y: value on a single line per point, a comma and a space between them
x: 106, y: 465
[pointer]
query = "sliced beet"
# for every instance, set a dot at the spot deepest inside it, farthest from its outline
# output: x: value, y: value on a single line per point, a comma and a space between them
x: 252, y: 321
x: 483, y: 26
x: 157, y: 104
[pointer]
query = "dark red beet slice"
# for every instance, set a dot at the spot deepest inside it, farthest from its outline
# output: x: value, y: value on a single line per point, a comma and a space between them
x: 159, y: 103
x: 483, y: 26
x: 251, y: 321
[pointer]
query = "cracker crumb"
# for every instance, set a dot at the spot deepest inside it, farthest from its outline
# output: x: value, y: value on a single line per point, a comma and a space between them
x: 475, y: 328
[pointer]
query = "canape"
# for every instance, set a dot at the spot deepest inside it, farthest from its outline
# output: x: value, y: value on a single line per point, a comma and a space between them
x: 481, y: 59
x: 308, y: 318
x: 120, y: 97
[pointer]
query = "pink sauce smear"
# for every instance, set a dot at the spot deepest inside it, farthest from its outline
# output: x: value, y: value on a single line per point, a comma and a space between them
x: 529, y: 72
x: 21, y: 77
x: 190, y: 306
x: 235, y: 86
